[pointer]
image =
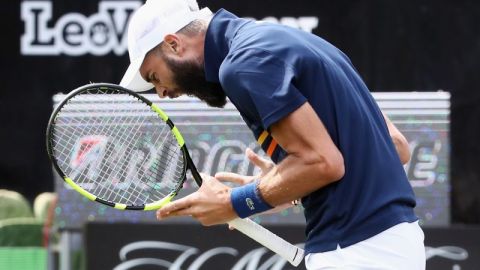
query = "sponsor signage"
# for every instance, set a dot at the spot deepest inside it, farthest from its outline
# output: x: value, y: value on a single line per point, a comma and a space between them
x: 217, y: 139
x: 74, y: 33
x: 190, y: 246
x: 101, y: 33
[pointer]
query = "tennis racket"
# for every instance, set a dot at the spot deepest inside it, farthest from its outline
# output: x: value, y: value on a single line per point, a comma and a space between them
x: 117, y: 148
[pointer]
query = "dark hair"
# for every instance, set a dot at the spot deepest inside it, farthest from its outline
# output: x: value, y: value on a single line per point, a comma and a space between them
x: 194, y: 28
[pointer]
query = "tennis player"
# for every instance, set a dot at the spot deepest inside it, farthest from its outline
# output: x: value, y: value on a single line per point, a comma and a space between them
x: 312, y: 114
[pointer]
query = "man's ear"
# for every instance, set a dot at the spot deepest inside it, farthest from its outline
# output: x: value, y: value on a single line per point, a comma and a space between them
x: 172, y: 42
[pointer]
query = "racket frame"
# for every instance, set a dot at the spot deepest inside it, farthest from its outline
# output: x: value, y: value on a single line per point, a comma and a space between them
x: 162, y: 115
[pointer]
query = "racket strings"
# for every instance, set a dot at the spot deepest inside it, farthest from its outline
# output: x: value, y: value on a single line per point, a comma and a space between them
x: 150, y: 183
x: 119, y: 151
x: 106, y: 191
x: 101, y: 173
x: 105, y: 186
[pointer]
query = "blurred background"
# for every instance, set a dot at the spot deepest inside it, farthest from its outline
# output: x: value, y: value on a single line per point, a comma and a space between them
x: 419, y: 58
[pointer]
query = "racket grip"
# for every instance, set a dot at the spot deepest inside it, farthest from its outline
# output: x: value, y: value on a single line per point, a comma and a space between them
x: 268, y: 239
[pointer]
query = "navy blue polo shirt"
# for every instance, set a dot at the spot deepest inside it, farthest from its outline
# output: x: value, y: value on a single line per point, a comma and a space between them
x: 268, y: 71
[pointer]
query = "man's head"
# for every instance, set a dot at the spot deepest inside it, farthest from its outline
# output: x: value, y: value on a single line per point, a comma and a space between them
x: 165, y: 44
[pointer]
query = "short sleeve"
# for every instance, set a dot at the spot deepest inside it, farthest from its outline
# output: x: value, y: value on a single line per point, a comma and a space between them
x: 263, y: 82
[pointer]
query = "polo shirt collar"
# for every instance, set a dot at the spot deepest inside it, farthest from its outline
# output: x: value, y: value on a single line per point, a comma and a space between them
x: 220, y: 32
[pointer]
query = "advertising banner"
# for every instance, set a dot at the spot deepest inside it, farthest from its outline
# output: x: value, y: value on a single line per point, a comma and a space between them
x: 190, y: 246
x: 217, y: 139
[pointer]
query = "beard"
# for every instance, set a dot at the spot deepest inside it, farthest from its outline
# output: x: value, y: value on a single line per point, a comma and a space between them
x: 189, y: 76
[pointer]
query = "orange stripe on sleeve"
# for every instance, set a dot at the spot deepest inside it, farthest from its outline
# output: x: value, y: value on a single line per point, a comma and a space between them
x: 271, y: 147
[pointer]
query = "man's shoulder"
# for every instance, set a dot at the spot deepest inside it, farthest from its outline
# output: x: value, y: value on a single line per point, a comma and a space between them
x: 251, y: 60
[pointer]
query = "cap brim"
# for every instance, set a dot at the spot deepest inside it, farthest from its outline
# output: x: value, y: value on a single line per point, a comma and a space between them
x: 132, y: 79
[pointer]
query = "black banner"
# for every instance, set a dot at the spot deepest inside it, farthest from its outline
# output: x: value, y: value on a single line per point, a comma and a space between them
x: 189, y: 246
x: 454, y: 248
x: 179, y: 246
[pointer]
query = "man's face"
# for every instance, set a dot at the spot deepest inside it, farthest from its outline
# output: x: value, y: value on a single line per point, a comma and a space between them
x: 174, y: 77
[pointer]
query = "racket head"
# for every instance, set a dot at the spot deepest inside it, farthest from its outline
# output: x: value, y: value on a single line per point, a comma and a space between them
x: 116, y: 147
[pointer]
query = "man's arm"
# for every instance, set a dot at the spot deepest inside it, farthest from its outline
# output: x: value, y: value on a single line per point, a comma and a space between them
x: 401, y: 143
x: 313, y: 160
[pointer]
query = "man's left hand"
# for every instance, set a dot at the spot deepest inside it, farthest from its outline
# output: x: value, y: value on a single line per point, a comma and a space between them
x: 210, y: 204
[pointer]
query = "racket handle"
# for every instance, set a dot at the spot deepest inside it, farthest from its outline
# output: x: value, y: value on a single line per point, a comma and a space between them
x: 268, y: 239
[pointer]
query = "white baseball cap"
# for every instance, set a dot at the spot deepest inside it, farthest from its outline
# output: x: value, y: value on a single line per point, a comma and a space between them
x: 148, y: 27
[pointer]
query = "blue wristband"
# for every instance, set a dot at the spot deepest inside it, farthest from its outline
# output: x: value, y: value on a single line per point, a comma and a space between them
x: 247, y: 201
